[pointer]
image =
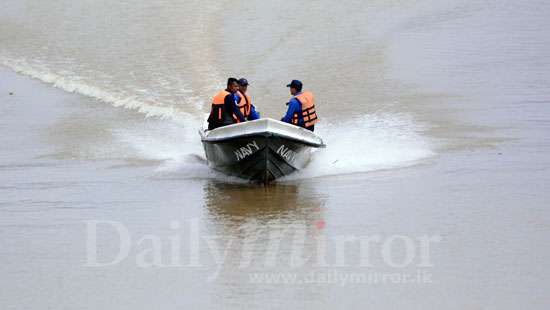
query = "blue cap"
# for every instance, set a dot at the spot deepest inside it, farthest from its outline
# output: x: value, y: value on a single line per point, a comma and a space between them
x: 295, y: 84
x: 243, y: 82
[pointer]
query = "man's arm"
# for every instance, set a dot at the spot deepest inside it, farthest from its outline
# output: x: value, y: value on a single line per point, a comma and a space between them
x: 293, y: 107
x: 253, y: 113
x: 229, y: 102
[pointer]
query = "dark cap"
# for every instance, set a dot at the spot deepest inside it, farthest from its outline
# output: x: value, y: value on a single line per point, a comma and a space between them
x: 243, y: 82
x: 295, y: 84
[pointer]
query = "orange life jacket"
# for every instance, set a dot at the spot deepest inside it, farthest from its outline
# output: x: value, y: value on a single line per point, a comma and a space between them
x: 308, y: 109
x: 245, y: 104
x: 218, y: 107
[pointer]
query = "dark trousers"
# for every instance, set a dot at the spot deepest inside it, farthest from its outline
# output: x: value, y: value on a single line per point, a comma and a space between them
x: 311, y: 128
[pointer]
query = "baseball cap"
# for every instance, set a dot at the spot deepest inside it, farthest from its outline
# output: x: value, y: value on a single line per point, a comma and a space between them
x: 295, y: 84
x: 243, y: 82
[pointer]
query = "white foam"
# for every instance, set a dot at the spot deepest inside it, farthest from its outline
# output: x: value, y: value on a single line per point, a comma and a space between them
x: 368, y: 143
x: 161, y: 140
x: 75, y: 84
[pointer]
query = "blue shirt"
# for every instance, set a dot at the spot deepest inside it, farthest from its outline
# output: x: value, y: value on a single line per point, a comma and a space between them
x: 294, y: 106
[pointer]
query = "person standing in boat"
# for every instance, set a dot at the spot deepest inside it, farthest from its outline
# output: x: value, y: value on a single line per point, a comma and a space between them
x: 248, y: 110
x: 225, y: 110
x: 301, y: 107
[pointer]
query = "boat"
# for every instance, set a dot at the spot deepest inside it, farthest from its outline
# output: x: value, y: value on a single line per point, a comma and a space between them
x: 259, y: 151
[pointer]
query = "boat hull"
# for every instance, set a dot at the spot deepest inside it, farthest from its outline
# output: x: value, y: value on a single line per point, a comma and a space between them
x: 261, y: 150
x: 258, y: 158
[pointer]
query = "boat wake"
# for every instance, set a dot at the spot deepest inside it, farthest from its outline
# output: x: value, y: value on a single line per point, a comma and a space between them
x: 129, y: 98
x: 373, y: 141
x: 369, y: 143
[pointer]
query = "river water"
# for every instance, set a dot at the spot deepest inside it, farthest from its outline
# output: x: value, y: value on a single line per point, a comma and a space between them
x: 435, y: 114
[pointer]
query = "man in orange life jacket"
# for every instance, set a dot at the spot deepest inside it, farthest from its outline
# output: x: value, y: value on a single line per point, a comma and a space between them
x: 225, y: 110
x: 301, y: 107
x: 246, y: 107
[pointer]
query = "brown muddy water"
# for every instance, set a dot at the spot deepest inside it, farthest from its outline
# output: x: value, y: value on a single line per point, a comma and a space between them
x: 432, y: 192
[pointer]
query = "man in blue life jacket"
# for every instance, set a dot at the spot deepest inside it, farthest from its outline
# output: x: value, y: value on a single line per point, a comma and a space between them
x: 225, y: 110
x: 301, y: 107
x: 248, y: 110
